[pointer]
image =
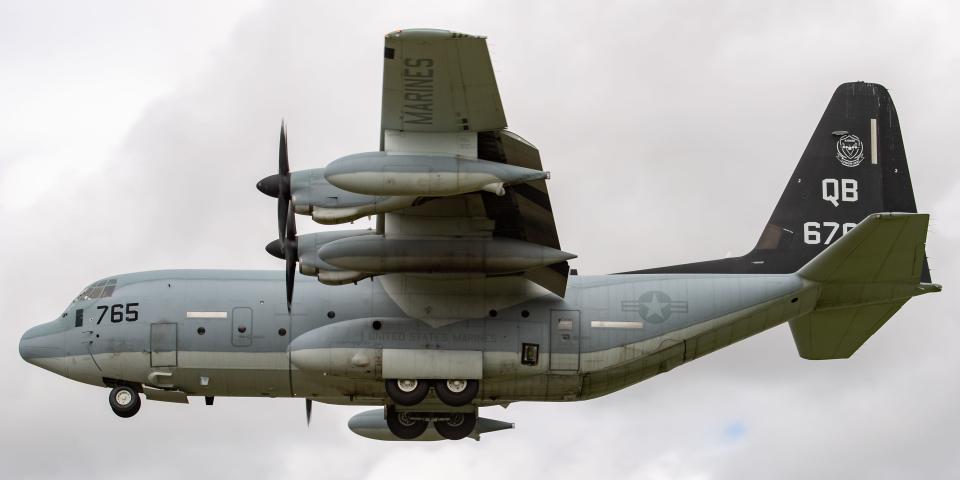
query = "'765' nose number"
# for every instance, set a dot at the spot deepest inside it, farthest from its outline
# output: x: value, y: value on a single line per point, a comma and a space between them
x: 119, y: 312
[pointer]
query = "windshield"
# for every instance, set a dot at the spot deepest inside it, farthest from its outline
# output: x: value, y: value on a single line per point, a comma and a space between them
x: 101, y: 289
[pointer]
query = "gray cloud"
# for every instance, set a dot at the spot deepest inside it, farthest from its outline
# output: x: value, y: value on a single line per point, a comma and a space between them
x: 670, y: 129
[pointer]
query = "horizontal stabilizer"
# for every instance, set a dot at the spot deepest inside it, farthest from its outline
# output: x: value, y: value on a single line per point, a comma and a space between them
x: 884, y: 247
x: 865, y: 277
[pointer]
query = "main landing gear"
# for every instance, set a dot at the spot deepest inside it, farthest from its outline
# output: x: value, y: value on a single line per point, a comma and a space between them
x: 456, y: 393
x: 411, y: 424
x: 457, y: 425
x: 409, y: 392
x: 124, y: 401
x: 405, y: 425
x: 450, y: 425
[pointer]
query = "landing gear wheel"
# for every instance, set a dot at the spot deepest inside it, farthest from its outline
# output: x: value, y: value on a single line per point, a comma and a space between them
x: 456, y: 393
x: 407, y: 392
x: 459, y: 426
x: 402, y: 426
x: 124, y: 401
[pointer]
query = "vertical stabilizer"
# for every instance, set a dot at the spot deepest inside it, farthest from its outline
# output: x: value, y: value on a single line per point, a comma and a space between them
x: 853, y: 166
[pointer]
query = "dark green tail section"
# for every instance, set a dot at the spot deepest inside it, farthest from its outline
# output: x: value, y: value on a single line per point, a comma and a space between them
x: 853, y: 166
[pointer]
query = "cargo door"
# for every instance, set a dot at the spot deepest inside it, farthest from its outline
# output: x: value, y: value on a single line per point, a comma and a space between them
x: 163, y: 344
x: 565, y: 341
x: 242, y: 327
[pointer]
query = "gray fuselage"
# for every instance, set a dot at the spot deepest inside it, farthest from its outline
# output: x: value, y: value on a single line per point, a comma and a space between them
x: 228, y: 333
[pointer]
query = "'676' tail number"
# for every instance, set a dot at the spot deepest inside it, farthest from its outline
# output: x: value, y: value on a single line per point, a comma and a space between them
x: 817, y: 233
x: 119, y: 312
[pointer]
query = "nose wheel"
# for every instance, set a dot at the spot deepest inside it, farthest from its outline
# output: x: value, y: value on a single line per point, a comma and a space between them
x: 124, y: 401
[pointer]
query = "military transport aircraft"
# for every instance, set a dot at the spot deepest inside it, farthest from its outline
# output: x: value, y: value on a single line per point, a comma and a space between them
x: 462, y: 297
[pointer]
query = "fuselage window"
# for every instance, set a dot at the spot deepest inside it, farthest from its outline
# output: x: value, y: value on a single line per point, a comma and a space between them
x: 529, y: 353
x: 101, y: 289
x: 79, y: 320
x: 565, y: 327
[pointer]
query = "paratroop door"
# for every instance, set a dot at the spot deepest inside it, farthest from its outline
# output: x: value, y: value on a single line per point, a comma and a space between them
x: 163, y: 344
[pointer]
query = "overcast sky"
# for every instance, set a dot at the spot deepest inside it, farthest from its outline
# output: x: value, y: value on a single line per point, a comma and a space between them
x: 131, y: 137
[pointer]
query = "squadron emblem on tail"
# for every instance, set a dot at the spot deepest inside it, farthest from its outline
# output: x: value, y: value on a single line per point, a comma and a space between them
x: 850, y: 150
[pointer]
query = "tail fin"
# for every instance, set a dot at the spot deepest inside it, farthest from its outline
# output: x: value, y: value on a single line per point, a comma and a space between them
x: 854, y: 165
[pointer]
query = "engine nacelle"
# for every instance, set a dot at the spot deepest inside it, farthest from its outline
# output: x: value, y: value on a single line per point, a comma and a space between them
x: 313, y: 195
x: 310, y: 263
x: 386, y: 173
x: 378, y: 254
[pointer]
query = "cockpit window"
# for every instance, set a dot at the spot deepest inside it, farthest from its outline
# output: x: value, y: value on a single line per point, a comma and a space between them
x: 101, y: 289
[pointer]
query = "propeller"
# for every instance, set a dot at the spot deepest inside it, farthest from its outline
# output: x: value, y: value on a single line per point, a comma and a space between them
x: 309, y: 410
x: 278, y: 186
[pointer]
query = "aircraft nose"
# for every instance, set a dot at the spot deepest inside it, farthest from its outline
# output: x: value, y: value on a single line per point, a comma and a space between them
x: 43, y: 348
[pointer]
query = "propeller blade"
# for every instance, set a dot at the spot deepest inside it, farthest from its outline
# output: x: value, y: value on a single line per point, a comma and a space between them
x: 291, y: 271
x: 290, y: 253
x: 309, y: 410
x: 282, y: 182
x: 282, y: 217
x: 291, y: 226
x: 284, y: 164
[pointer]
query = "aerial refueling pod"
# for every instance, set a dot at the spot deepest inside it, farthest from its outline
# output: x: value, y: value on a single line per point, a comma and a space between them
x: 372, y: 424
x: 377, y: 254
x: 386, y: 173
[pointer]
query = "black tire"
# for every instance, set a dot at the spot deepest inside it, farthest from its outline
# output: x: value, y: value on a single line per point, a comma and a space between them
x: 447, y: 395
x: 406, y: 396
x: 403, y: 427
x: 459, y: 426
x: 124, y: 401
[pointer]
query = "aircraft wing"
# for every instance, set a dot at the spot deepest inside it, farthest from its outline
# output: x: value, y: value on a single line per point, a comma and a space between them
x: 439, y: 81
x: 440, y: 97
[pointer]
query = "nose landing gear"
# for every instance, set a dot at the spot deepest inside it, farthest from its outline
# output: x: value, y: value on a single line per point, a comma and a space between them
x: 124, y: 401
